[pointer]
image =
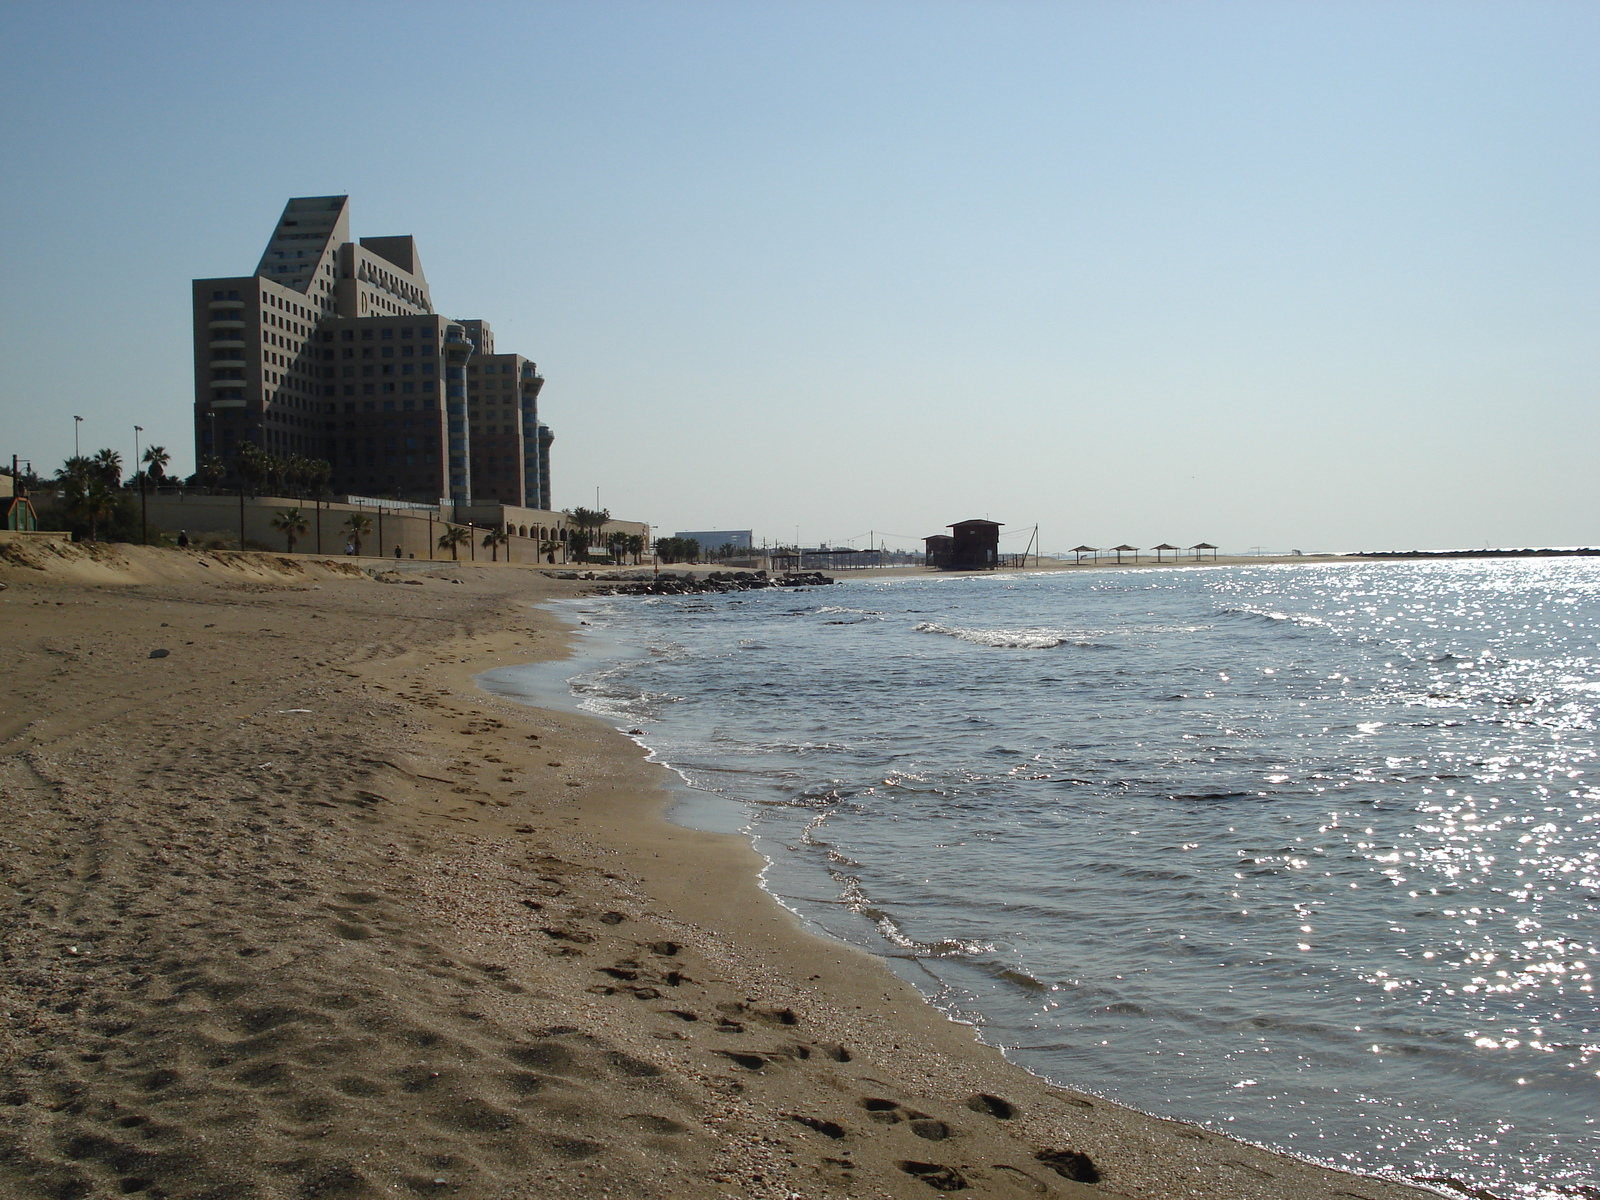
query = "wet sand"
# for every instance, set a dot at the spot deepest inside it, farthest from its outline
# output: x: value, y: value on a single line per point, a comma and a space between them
x: 296, y: 910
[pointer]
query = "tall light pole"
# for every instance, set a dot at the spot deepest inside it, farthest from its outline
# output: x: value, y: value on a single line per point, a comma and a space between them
x: 76, y: 452
x: 144, y: 506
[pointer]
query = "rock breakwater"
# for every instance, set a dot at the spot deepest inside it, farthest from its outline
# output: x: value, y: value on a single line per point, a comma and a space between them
x: 668, y: 583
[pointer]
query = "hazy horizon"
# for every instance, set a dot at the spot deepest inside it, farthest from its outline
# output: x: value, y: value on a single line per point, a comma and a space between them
x: 1316, y: 275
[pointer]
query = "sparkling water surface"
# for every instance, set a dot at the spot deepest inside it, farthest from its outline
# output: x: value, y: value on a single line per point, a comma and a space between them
x: 1307, y: 854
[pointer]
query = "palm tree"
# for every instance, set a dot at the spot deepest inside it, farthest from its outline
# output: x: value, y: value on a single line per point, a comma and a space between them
x: 358, y: 526
x: 635, y: 546
x: 493, y: 540
x: 85, y: 491
x: 291, y: 524
x: 453, y: 537
x: 250, y: 464
x: 586, y: 521
x: 108, y: 465
x: 275, y: 470
x: 617, y: 543
x: 548, y: 548
x: 156, y: 459
x: 211, y: 470
x: 317, y: 472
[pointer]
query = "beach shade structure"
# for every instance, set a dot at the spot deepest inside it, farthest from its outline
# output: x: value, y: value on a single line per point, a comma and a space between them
x: 1080, y: 551
x: 1199, y: 546
x: 1121, y: 550
x: 1164, y: 546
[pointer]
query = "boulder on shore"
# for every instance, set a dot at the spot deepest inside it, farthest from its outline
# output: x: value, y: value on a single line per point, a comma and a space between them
x: 686, y: 584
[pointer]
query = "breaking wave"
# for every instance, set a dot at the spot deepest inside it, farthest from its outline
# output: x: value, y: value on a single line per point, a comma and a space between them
x: 1004, y: 639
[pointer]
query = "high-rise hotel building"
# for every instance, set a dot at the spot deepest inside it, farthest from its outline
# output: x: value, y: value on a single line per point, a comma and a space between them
x: 332, y: 350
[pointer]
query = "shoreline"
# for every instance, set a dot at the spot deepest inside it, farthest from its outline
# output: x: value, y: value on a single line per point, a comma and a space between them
x: 480, y: 960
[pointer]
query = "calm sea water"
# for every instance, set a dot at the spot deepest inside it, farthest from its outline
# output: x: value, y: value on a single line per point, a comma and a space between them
x: 1306, y: 854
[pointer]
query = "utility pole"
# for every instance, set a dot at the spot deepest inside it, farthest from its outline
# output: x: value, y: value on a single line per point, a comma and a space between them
x: 77, y: 451
x: 144, y: 510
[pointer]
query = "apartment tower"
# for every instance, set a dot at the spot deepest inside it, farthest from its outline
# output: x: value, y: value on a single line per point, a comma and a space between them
x: 332, y: 350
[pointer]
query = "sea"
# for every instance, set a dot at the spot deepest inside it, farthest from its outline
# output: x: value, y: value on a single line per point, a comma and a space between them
x: 1306, y: 854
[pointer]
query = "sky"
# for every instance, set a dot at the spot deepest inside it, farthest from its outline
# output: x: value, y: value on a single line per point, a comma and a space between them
x: 1321, y: 276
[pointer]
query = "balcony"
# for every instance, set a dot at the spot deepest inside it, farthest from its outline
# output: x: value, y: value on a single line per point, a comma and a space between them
x: 227, y: 344
x: 218, y: 305
x: 227, y: 323
x: 229, y: 403
x: 218, y: 364
x: 229, y: 383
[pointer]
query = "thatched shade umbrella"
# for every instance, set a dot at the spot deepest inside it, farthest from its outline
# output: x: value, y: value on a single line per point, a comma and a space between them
x: 1160, y: 548
x: 1080, y: 551
x: 1132, y: 549
x: 1199, y: 546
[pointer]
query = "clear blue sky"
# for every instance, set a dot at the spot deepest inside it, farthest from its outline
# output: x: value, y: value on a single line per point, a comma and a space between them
x: 1295, y: 274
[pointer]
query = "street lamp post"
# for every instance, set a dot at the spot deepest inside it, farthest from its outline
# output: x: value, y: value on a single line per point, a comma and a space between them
x: 77, y: 451
x: 144, y: 509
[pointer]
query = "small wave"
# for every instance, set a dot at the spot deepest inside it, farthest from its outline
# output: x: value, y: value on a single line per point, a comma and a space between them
x: 1003, y: 639
x: 862, y: 612
x: 1274, y: 616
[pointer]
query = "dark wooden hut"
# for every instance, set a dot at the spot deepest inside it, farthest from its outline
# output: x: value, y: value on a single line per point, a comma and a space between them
x: 936, y: 551
x: 975, y: 545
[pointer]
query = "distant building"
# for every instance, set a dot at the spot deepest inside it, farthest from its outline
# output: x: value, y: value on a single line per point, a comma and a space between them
x: 332, y: 350
x: 716, y: 539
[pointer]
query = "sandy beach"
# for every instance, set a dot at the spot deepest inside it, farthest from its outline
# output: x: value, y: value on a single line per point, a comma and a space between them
x: 293, y: 909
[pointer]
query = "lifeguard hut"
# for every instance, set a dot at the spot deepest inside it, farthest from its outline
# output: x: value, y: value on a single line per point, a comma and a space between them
x: 974, y: 545
x: 936, y: 551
